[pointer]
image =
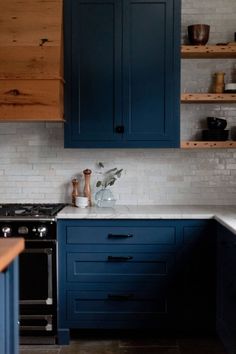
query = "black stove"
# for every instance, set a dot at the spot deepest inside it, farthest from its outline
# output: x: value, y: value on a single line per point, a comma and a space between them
x: 36, y: 223
x: 31, y: 221
x: 35, y: 211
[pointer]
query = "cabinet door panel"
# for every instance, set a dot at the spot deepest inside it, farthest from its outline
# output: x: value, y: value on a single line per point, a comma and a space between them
x: 95, y: 71
x: 149, y: 89
x: 226, y: 288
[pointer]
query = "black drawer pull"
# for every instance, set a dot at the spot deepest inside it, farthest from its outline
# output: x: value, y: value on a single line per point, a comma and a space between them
x: 120, y: 297
x: 119, y: 235
x: 119, y: 258
x: 120, y: 129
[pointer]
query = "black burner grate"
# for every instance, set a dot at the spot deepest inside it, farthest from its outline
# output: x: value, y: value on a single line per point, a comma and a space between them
x: 32, y: 210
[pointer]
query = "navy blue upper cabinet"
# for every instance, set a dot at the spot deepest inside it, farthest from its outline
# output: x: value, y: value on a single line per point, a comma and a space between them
x: 122, y: 73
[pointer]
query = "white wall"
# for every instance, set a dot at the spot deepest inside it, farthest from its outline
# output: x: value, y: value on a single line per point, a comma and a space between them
x: 34, y: 166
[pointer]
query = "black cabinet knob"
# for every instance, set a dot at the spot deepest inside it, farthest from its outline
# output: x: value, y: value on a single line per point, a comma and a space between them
x: 120, y: 129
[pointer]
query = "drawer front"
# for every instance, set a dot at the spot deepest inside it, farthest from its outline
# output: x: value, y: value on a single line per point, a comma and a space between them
x: 112, y: 306
x: 112, y: 267
x: 121, y: 235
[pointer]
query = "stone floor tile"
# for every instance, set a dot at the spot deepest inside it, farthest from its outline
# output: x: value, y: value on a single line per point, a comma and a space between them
x: 89, y: 350
x: 149, y: 350
x: 38, y: 350
x: 148, y: 342
x: 203, y: 345
x: 92, y: 347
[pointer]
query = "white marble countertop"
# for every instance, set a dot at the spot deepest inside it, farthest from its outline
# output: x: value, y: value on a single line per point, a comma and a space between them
x: 226, y: 215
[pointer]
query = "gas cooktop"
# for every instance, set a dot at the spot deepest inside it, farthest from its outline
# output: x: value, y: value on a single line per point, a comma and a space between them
x: 26, y: 211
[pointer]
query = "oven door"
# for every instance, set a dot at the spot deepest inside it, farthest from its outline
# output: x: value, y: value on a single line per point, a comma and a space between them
x: 38, y: 273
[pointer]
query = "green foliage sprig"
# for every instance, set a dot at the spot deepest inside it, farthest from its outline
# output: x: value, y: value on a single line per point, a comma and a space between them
x: 109, y: 176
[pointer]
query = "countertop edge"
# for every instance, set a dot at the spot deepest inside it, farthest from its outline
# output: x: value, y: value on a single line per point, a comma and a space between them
x: 225, y: 215
x: 10, y: 248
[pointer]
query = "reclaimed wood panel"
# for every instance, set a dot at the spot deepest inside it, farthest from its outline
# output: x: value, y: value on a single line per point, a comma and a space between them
x: 31, y: 100
x: 210, y: 51
x: 30, y: 62
x: 31, y: 22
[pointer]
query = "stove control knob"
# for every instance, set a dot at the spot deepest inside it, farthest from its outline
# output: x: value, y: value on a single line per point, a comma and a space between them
x: 6, y: 231
x: 42, y: 231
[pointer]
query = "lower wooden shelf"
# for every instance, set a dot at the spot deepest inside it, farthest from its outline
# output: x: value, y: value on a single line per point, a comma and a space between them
x: 208, y: 97
x: 208, y: 144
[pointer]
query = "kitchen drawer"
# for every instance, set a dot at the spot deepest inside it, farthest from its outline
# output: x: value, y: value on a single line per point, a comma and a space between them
x: 117, y: 306
x: 165, y: 235
x: 108, y: 267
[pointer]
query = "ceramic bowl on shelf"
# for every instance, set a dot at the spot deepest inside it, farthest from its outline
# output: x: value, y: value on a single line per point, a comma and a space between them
x: 216, y: 123
x: 215, y: 135
x: 230, y: 88
x: 198, y: 34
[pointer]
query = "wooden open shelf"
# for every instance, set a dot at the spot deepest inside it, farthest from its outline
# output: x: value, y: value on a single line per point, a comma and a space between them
x: 208, y: 144
x: 210, y: 51
x: 208, y: 97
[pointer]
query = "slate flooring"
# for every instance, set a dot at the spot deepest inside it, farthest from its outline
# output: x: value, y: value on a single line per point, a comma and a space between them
x: 133, y: 345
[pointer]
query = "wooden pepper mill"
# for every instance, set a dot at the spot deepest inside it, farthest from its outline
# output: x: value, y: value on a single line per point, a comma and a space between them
x: 75, y: 190
x: 87, y: 188
x: 219, y: 85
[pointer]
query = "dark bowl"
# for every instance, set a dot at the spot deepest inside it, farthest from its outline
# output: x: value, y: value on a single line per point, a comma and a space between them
x: 216, y: 123
x: 198, y: 34
x: 215, y: 135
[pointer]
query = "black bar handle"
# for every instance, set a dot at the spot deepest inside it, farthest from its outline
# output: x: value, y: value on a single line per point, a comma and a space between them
x: 119, y: 235
x: 120, y: 129
x: 118, y: 297
x: 119, y: 258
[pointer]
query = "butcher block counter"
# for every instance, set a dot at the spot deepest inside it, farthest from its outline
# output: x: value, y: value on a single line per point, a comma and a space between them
x: 10, y: 248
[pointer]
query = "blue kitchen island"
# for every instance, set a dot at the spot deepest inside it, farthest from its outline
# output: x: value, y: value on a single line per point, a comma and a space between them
x: 9, y: 290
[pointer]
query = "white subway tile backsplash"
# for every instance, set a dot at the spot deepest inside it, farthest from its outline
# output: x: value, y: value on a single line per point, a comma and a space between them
x: 35, y: 167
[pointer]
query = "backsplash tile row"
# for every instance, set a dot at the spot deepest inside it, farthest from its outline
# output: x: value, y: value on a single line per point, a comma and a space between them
x: 34, y: 167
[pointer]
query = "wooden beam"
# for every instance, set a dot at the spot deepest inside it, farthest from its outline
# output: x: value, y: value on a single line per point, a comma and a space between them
x: 29, y: 22
x: 31, y: 100
x: 30, y: 62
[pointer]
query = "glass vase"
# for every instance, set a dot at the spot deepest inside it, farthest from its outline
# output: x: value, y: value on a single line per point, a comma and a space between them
x: 105, y: 198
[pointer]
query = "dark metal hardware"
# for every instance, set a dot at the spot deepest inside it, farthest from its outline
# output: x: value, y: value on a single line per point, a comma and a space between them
x: 117, y: 297
x: 36, y: 323
x: 120, y: 129
x: 119, y: 235
x: 119, y: 258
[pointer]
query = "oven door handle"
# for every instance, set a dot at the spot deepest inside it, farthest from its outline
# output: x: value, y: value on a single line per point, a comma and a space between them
x: 49, y: 300
x: 29, y: 327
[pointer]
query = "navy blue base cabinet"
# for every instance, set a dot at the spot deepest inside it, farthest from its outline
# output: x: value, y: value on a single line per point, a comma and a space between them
x: 122, y: 68
x: 9, y: 301
x: 136, y: 274
x: 226, y: 288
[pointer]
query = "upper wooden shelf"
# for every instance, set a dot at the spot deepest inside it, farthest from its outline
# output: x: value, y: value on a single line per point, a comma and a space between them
x: 209, y: 51
x: 208, y: 97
